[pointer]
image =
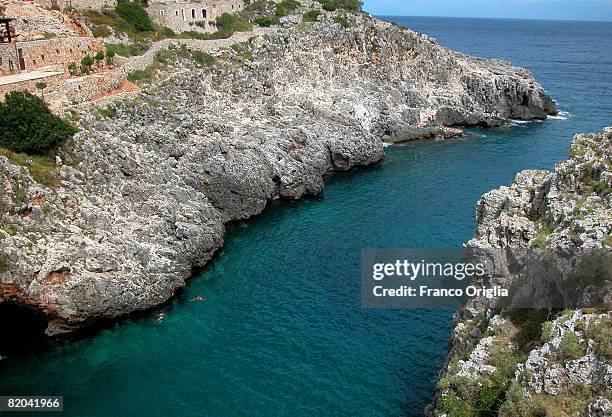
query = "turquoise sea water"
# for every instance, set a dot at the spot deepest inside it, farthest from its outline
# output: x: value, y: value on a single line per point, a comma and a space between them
x: 281, y: 332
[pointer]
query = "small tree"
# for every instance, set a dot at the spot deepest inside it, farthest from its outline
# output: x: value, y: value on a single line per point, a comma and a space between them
x: 41, y: 85
x: 99, y: 58
x: 134, y: 14
x: 72, y: 69
x: 109, y: 57
x: 29, y: 126
x: 86, y: 64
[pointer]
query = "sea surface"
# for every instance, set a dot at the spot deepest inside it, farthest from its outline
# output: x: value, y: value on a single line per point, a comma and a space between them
x: 281, y: 331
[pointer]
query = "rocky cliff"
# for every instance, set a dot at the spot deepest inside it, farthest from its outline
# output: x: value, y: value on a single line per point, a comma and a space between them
x: 148, y: 183
x: 549, y: 238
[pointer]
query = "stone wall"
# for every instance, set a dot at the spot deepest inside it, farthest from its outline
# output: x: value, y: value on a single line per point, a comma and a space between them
x: 83, y: 89
x: 9, y: 62
x: 57, y: 53
x: 182, y: 16
x: 53, y: 83
x: 77, y: 4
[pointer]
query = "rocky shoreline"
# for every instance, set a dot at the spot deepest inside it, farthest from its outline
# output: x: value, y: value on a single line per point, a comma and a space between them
x: 149, y: 182
x: 548, y: 236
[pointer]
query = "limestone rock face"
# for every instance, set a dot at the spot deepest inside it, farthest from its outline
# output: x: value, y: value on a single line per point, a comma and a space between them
x: 147, y: 187
x: 548, y: 237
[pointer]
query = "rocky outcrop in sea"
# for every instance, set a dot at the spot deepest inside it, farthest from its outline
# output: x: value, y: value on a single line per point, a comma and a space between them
x: 148, y: 183
x: 548, y: 237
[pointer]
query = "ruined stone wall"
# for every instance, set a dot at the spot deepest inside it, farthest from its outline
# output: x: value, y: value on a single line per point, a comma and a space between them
x: 77, y: 4
x: 53, y: 83
x: 57, y: 52
x: 85, y: 88
x: 182, y: 16
x: 8, y: 59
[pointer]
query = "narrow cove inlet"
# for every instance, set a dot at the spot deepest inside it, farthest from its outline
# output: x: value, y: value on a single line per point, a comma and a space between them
x: 282, y: 317
x: 280, y: 329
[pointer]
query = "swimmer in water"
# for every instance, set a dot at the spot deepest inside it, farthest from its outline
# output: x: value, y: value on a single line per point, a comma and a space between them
x: 198, y: 298
x: 161, y: 316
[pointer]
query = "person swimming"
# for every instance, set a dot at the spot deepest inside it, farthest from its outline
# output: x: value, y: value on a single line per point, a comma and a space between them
x: 198, y: 298
x: 161, y: 315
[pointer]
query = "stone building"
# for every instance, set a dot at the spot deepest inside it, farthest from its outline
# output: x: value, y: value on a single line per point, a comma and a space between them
x: 77, y: 4
x: 195, y: 15
x: 17, y: 55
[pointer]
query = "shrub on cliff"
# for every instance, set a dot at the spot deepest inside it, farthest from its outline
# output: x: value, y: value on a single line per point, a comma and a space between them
x: 232, y: 23
x: 29, y: 126
x: 134, y: 14
x: 311, y: 16
x: 290, y: 5
x: 86, y: 64
x: 265, y: 21
x: 352, y: 5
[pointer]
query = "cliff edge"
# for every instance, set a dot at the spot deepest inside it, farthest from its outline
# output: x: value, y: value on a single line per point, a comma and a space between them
x: 549, y: 237
x: 148, y: 184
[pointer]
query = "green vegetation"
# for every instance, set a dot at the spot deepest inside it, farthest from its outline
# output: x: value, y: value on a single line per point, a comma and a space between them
x: 109, y: 112
x: 398, y: 26
x: 592, y: 269
x: 289, y: 4
x: 41, y: 85
x: 99, y: 57
x: 311, y: 16
x: 342, y: 21
x: 285, y: 6
x: 41, y: 167
x: 265, y: 21
x: 110, y: 18
x: 100, y: 31
x: 529, y: 325
x: 570, y: 347
x: 109, y: 57
x: 135, y: 15
x: 481, y: 398
x: 280, y: 11
x: 202, y: 59
x: 127, y: 50
x: 4, y: 263
x: 72, y: 69
x: 227, y: 24
x: 502, y: 207
x: 545, y: 229
x: 128, y: 17
x: 600, y: 332
x: 571, y: 402
x: 452, y: 405
x: 546, y: 332
x: 350, y: 5
x: 163, y: 58
x: 141, y: 75
x: 29, y: 126
x: 86, y: 64
x: 230, y: 23
x: 242, y: 50
x: 496, y: 393
x: 167, y: 32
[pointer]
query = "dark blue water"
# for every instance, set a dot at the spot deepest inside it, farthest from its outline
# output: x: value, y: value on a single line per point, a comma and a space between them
x: 281, y: 332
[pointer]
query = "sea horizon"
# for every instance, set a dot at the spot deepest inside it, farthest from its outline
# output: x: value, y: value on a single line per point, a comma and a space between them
x: 384, y: 16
